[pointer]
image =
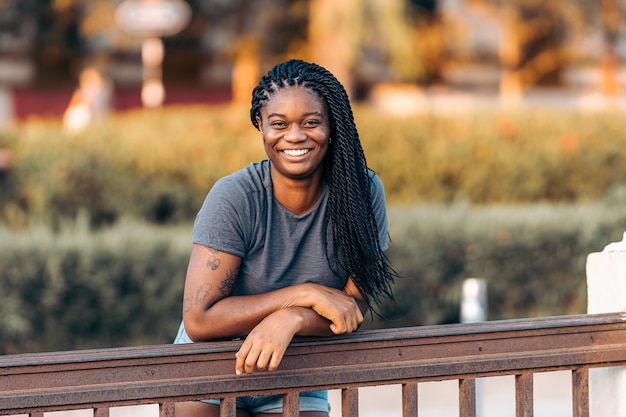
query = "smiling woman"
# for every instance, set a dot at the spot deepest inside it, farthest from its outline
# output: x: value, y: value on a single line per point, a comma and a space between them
x: 292, y: 245
x: 295, y: 131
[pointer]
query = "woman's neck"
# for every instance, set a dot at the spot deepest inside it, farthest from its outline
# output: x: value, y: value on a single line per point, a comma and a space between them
x: 297, y: 196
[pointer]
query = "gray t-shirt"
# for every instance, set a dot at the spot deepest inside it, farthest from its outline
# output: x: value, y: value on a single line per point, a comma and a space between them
x: 278, y: 248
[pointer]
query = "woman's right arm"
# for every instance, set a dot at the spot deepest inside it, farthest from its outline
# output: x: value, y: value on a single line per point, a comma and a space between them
x: 211, y: 312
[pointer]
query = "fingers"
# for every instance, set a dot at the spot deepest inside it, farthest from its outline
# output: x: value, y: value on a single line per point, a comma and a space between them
x: 241, y: 357
x: 346, y: 319
x: 265, y: 346
x: 250, y: 360
x: 347, y: 324
x: 340, y: 308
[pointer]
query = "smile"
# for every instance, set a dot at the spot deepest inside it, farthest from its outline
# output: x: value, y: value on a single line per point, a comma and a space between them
x: 296, y: 152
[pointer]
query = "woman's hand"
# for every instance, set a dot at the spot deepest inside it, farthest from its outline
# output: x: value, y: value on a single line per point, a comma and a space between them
x: 339, y: 307
x: 266, y: 344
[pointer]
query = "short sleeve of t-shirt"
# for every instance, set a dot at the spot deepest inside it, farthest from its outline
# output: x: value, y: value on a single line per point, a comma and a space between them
x: 231, y: 212
x: 379, y: 207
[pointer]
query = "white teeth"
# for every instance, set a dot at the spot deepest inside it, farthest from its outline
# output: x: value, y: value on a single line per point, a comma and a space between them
x: 295, y: 152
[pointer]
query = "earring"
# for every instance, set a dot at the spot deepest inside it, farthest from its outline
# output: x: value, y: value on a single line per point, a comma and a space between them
x: 330, y: 140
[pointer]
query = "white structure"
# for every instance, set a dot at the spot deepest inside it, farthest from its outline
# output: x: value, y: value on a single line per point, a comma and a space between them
x: 606, y: 293
x: 474, y: 302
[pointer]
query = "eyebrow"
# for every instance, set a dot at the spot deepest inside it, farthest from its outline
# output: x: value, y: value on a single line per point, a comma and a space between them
x: 313, y: 113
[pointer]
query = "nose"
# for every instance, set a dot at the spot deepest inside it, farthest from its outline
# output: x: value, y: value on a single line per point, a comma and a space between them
x: 295, y: 134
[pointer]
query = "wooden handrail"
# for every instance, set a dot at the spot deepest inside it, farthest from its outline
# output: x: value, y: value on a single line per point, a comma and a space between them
x: 164, y: 374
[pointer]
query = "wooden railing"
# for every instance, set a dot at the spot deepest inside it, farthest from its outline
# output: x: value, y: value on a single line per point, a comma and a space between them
x: 165, y: 374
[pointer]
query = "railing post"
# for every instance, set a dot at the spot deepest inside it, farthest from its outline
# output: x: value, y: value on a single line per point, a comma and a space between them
x: 580, y: 392
x: 524, y: 395
x: 291, y: 404
x: 350, y: 402
x: 102, y: 412
x: 606, y: 286
x: 409, y: 399
x: 165, y: 410
x: 228, y: 407
x: 467, y: 397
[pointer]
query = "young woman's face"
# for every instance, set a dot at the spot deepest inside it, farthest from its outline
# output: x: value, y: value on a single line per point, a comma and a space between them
x: 295, y: 127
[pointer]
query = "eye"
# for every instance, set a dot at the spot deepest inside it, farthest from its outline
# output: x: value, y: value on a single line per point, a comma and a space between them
x: 278, y: 124
x: 312, y: 123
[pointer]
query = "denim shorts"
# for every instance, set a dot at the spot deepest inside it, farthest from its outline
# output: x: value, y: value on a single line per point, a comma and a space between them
x: 309, y: 401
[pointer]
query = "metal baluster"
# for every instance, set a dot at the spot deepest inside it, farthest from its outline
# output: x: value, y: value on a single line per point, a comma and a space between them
x: 467, y: 397
x: 580, y: 392
x: 291, y: 404
x: 350, y: 402
x: 409, y: 399
x: 228, y: 407
x: 524, y: 395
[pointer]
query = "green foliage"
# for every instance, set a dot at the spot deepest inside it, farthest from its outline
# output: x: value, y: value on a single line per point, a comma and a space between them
x: 158, y: 165
x: 499, y: 158
x: 82, y: 289
x: 153, y: 165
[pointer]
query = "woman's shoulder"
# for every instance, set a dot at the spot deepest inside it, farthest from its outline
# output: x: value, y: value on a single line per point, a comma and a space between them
x: 252, y: 178
x: 375, y: 181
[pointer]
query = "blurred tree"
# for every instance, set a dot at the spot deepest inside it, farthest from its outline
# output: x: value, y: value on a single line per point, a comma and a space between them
x: 242, y: 38
x: 540, y: 38
x: 531, y: 45
x: 610, y: 26
x: 333, y: 37
x: 400, y: 41
x: 426, y: 21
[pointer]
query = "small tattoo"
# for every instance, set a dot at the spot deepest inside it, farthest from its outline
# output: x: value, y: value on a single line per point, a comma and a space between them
x: 202, y: 293
x: 187, y: 304
x: 213, y: 262
x: 228, y: 284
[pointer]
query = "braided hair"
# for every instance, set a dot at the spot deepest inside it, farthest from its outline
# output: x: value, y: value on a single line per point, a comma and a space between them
x: 354, y: 228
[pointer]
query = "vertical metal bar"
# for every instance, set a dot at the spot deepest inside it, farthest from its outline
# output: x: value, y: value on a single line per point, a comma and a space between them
x: 166, y: 410
x: 101, y: 412
x: 228, y: 407
x: 580, y: 392
x: 350, y: 402
x: 524, y: 395
x: 409, y: 399
x: 467, y: 397
x: 291, y: 404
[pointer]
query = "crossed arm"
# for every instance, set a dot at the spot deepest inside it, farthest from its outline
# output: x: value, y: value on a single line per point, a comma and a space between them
x: 268, y: 321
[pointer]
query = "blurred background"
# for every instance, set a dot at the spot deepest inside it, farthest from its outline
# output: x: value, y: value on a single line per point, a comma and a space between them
x: 219, y: 48
x: 496, y: 126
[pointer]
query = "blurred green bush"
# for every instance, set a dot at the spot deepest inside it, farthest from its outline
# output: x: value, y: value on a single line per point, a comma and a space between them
x: 158, y: 165
x: 80, y: 288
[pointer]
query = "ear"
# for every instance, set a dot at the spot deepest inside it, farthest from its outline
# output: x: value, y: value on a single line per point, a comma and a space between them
x: 259, y: 122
